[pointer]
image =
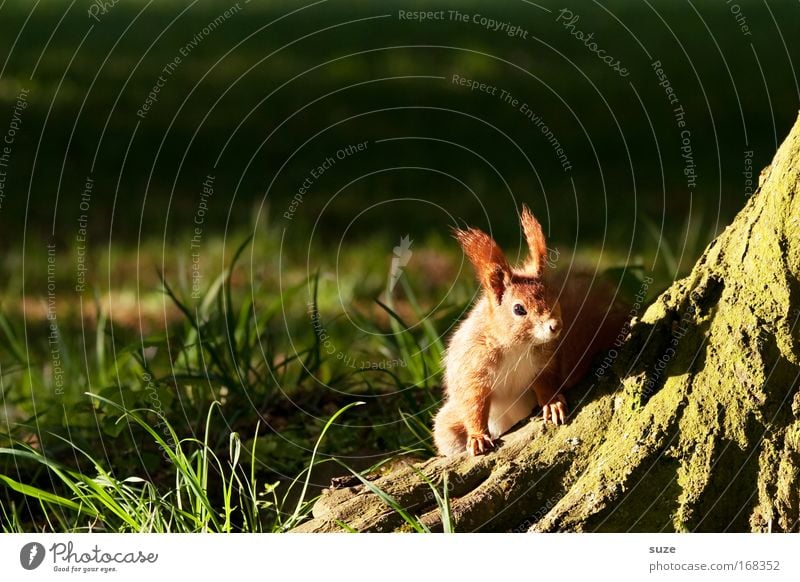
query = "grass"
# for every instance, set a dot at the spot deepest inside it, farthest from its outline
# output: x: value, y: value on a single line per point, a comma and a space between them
x: 191, y: 430
x: 168, y: 434
x: 188, y: 430
x: 99, y: 501
x: 232, y: 411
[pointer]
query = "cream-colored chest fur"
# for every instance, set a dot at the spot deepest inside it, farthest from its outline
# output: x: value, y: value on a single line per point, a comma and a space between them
x: 512, y: 398
x: 517, y: 369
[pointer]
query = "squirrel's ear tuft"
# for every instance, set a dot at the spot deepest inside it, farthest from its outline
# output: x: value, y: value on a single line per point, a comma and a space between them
x: 489, y: 261
x: 537, y: 246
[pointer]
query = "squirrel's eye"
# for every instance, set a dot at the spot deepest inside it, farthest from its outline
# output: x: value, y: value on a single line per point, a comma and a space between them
x: 519, y: 309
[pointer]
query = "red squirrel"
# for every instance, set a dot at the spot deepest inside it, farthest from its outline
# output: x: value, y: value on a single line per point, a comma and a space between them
x: 531, y: 335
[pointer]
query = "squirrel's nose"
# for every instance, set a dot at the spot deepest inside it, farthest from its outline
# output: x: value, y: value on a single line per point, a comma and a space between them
x: 555, y: 325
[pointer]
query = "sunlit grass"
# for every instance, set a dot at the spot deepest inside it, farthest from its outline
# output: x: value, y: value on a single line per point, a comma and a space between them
x: 192, y: 426
x: 101, y: 501
x: 141, y: 416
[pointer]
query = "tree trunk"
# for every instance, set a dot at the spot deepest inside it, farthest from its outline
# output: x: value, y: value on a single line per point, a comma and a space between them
x: 695, y: 426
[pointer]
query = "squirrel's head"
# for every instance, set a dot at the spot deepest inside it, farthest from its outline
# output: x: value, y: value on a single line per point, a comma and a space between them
x: 522, y: 305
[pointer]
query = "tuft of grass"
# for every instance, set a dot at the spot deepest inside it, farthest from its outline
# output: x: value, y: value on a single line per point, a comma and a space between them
x: 442, y: 501
x: 423, y: 353
x: 101, y: 501
x: 188, y: 395
x: 304, y: 506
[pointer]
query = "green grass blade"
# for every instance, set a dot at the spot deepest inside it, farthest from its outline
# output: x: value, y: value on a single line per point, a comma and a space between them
x: 331, y: 420
x: 45, y: 496
x: 390, y: 501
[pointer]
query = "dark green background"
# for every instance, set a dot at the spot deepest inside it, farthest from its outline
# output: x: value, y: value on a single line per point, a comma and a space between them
x: 273, y: 100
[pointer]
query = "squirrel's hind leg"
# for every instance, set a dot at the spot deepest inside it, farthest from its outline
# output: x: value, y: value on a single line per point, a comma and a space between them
x: 449, y: 433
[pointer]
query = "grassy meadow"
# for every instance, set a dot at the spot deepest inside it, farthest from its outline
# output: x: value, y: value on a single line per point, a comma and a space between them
x: 227, y: 269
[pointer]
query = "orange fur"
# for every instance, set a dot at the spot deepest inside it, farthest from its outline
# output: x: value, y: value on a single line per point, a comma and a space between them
x: 535, y: 239
x: 500, y: 363
x: 486, y: 257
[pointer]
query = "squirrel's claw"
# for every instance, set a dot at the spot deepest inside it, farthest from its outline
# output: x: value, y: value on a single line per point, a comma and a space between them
x: 478, y: 444
x: 556, y: 410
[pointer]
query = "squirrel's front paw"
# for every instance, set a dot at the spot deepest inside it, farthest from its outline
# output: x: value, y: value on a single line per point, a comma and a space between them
x: 556, y: 410
x: 477, y: 444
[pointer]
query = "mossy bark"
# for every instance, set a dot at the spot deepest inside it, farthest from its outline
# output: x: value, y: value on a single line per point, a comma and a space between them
x: 696, y: 429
